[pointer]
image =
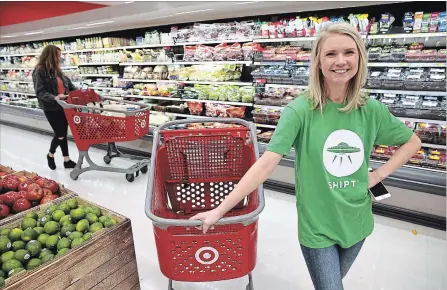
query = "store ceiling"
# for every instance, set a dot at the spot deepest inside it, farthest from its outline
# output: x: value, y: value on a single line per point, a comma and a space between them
x: 128, y: 15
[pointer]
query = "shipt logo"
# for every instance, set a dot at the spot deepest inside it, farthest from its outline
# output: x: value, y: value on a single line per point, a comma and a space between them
x: 343, y: 153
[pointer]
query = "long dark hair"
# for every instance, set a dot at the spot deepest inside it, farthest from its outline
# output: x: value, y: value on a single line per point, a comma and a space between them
x: 49, y: 60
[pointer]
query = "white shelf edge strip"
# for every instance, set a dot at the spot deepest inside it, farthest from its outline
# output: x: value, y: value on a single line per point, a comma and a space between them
x: 145, y: 63
x: 422, y: 120
x: 408, y: 35
x: 190, y: 82
x: 15, y: 81
x: 406, y: 64
x: 402, y: 92
x: 99, y: 75
x: 18, y: 93
x: 219, y: 102
x: 434, y: 146
x: 99, y: 63
x: 273, y: 107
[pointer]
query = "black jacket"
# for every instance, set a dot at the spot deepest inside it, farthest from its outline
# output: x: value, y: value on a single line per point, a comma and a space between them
x: 45, y: 86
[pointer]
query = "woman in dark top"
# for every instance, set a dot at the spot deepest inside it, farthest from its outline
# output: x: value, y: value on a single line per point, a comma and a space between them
x: 50, y: 85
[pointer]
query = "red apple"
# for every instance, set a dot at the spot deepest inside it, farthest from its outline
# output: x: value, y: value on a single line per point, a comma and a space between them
x: 35, y: 178
x: 4, y: 211
x: 1, y: 185
x: 24, y: 185
x: 34, y: 192
x: 11, y: 183
x: 48, y: 198
x: 46, y: 192
x: 3, y: 173
x: 10, y: 197
x: 22, y: 178
x: 21, y: 205
x: 52, y: 185
x: 41, y: 182
x: 21, y: 194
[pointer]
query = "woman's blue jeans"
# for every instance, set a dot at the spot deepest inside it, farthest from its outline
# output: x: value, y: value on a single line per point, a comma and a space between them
x: 328, y: 266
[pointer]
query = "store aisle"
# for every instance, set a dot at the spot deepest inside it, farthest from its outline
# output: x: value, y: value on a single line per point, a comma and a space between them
x: 393, y: 258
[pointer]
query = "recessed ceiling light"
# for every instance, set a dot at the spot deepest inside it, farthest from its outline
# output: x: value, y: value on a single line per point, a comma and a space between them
x: 195, y: 11
x: 35, y: 32
x: 100, y: 23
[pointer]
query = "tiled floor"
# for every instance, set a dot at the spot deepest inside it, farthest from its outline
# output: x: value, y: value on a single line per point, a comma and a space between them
x: 392, y: 258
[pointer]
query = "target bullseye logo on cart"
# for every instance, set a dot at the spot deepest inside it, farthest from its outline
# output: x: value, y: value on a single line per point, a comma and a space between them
x: 143, y: 124
x: 207, y: 255
x: 77, y: 120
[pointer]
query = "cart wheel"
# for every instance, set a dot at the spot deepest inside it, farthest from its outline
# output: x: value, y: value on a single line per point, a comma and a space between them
x: 144, y: 169
x: 130, y: 177
x: 74, y: 176
x: 107, y: 159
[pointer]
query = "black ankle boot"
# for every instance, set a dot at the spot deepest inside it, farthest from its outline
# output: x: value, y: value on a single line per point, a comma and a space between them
x: 69, y: 164
x: 51, y: 163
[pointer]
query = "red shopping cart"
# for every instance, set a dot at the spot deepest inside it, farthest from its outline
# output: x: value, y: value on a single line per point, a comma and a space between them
x: 192, y: 171
x: 96, y: 125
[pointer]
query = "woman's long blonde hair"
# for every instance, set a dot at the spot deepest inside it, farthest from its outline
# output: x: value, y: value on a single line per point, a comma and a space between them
x: 316, y: 89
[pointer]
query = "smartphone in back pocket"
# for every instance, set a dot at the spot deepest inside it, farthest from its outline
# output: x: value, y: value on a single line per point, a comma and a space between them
x: 378, y: 192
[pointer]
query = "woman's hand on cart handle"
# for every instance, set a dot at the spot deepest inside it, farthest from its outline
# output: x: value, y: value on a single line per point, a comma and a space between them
x: 255, y: 176
x: 209, y: 219
x: 60, y: 97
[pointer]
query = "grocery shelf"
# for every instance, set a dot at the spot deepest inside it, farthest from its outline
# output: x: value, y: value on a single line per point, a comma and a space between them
x: 16, y: 68
x: 291, y: 39
x: 219, y: 102
x: 434, y: 146
x: 400, y: 92
x: 265, y: 126
x: 407, y: 35
x: 106, y: 88
x: 20, y: 54
x: 99, y: 75
x: 15, y: 81
x: 406, y: 64
x: 69, y: 67
x: 300, y: 63
x: 284, y: 86
x: 214, y: 41
x: 153, y: 97
x: 422, y: 120
x: 268, y: 106
x: 146, y: 81
x: 99, y: 63
x: 213, y: 62
x: 190, y: 82
x: 19, y: 93
x: 145, y: 63
x: 189, y: 116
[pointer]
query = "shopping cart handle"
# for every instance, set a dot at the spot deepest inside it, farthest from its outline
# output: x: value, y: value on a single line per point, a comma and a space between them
x: 208, y: 120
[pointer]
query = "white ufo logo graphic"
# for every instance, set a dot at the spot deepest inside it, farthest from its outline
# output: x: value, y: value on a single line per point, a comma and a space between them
x: 341, y: 150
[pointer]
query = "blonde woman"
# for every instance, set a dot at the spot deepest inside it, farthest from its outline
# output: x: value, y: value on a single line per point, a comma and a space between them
x: 333, y: 204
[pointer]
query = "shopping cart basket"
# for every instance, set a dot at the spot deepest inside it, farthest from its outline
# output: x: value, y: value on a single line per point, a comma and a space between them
x: 92, y: 125
x: 193, y: 171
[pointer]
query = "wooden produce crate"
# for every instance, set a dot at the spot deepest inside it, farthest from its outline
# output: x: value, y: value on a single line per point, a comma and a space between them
x: 106, y: 261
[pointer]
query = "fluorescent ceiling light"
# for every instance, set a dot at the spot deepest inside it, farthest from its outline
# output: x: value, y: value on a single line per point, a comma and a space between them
x: 100, y: 23
x: 128, y: 2
x: 76, y: 28
x: 8, y: 36
x: 35, y: 32
x: 243, y: 3
x: 195, y: 11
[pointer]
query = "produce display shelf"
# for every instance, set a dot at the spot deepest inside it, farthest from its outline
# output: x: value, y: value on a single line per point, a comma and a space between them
x: 154, y: 98
x: 99, y: 75
x: 399, y: 92
x: 291, y: 39
x: 284, y: 86
x: 19, y: 93
x: 214, y: 41
x: 190, y: 82
x: 189, y: 116
x: 106, y: 88
x: 219, y: 102
x: 99, y: 63
x: 70, y: 67
x: 407, y: 35
x: 298, y: 63
x: 16, y: 68
x: 20, y: 54
x: 213, y: 62
x: 411, y: 166
x: 146, y: 63
x: 117, y: 48
x: 15, y: 81
x: 265, y: 126
x: 273, y: 107
x: 406, y: 64
x: 434, y: 146
x: 422, y: 120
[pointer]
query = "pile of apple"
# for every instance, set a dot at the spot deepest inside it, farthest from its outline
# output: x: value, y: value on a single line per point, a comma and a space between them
x: 20, y: 193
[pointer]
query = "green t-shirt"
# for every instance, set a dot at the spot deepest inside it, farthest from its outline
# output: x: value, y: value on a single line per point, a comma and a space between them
x: 332, y: 151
